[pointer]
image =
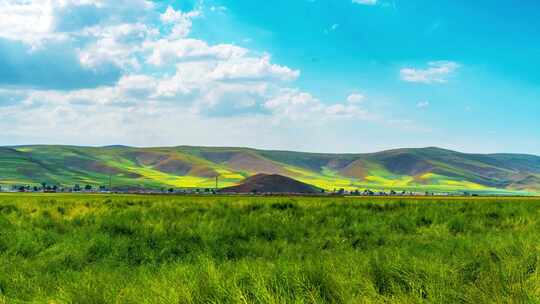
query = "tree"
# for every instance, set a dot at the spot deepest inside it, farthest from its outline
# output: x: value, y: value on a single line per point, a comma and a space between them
x: 77, y: 188
x: 88, y: 188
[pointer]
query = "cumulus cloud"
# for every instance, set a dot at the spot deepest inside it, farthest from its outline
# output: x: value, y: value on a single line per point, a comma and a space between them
x: 129, y: 71
x: 68, y: 44
x: 181, y: 21
x: 253, y: 69
x: 116, y: 44
x: 37, y: 21
x: 28, y: 21
x: 296, y: 105
x: 164, y: 51
x: 436, y: 72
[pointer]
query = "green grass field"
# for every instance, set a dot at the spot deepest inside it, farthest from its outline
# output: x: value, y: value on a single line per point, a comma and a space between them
x: 160, y: 249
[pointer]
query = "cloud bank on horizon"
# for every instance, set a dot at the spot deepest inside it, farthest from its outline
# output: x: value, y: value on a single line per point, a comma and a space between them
x: 139, y: 72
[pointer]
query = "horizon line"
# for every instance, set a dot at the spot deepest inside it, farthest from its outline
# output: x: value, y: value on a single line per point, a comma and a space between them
x: 264, y: 149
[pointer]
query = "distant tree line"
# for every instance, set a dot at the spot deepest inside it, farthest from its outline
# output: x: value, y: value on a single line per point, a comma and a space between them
x: 46, y: 187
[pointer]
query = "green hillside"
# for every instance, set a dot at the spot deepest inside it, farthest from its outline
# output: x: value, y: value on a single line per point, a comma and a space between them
x: 426, y: 169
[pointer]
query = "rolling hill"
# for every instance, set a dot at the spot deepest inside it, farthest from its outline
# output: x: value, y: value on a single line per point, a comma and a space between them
x: 423, y: 169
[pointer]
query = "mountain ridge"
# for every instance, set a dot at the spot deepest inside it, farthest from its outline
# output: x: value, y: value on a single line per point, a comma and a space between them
x: 269, y: 150
x: 419, y: 169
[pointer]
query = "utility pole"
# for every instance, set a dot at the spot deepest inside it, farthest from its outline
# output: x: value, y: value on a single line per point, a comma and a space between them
x: 216, y: 183
x: 110, y: 182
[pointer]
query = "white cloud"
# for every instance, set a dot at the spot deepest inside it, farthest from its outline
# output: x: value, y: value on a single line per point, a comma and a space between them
x: 35, y: 22
x: 436, y: 72
x: 245, y: 68
x: 172, y: 87
x: 365, y: 2
x: 27, y: 21
x: 231, y: 99
x: 137, y: 86
x: 181, y: 21
x: 166, y: 51
x: 115, y: 44
x: 355, y: 98
x: 295, y: 105
x: 219, y: 8
x: 422, y: 104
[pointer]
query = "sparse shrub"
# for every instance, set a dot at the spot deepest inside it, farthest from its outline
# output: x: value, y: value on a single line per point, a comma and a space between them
x: 423, y: 221
x: 284, y: 206
x: 61, y: 210
x: 254, y: 207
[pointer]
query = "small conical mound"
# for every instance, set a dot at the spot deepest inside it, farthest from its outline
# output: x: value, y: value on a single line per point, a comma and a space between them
x: 271, y: 183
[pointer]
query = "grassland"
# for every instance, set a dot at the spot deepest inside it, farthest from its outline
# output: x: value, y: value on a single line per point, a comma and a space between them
x: 162, y: 249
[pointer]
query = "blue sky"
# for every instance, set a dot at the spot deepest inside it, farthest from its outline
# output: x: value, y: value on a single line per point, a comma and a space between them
x: 313, y: 75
